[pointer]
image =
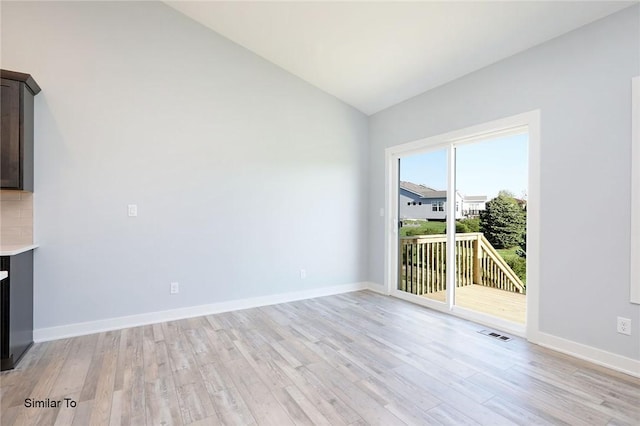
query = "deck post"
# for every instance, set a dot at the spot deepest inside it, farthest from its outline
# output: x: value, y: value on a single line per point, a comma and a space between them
x: 477, y: 261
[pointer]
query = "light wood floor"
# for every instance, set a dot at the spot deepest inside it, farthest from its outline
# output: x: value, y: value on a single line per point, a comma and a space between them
x: 499, y: 303
x: 359, y: 358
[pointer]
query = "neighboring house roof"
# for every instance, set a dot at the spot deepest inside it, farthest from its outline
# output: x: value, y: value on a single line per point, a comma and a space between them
x: 421, y: 190
x: 475, y: 198
x: 438, y: 194
x: 424, y: 191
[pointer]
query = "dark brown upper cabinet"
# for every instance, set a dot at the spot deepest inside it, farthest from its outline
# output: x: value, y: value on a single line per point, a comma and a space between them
x: 16, y: 130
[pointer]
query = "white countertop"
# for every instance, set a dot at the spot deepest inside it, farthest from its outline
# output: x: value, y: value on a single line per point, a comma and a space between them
x: 3, y: 275
x: 16, y: 249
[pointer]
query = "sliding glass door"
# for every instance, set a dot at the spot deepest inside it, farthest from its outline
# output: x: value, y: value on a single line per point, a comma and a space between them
x: 471, y: 195
x: 491, y: 188
x: 422, y: 207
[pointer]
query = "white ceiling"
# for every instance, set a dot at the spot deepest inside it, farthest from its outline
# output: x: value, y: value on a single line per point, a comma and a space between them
x: 373, y: 55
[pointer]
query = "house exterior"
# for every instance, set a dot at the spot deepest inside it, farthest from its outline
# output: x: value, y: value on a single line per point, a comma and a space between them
x: 473, y: 205
x: 423, y: 202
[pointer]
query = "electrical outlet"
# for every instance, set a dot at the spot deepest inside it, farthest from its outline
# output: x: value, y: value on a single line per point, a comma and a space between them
x: 175, y: 288
x: 303, y: 274
x: 132, y: 210
x: 624, y: 326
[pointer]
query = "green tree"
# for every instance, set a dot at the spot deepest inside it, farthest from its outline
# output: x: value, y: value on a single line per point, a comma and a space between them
x: 503, y: 221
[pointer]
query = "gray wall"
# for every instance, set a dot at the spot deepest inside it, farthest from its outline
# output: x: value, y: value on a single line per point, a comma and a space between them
x: 242, y: 173
x: 581, y: 82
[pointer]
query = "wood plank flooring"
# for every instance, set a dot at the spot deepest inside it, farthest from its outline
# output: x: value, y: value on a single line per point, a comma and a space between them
x: 498, y: 303
x: 352, y: 359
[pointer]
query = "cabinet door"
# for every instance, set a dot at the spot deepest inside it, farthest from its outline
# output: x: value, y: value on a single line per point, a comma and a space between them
x: 4, y: 312
x: 10, y: 134
x: 20, y: 304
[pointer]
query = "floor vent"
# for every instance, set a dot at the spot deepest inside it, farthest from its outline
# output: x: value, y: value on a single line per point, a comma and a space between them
x: 495, y: 335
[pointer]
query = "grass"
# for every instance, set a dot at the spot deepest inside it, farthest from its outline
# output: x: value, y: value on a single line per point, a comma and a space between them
x: 508, y: 253
x: 421, y: 227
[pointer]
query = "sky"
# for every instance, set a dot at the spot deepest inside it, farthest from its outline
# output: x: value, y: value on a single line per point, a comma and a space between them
x: 482, y: 168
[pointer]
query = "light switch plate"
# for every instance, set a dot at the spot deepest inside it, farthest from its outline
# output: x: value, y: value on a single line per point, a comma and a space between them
x: 132, y: 209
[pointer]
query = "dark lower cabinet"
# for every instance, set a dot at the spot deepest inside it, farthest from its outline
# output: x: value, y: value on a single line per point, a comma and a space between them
x: 16, y: 308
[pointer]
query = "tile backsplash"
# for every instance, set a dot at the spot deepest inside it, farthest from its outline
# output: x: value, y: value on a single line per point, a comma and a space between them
x: 16, y: 218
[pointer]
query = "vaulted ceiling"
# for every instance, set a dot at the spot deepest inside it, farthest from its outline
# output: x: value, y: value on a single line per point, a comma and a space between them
x: 373, y: 55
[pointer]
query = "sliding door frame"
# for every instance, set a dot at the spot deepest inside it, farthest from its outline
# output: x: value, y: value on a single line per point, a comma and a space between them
x: 529, y: 123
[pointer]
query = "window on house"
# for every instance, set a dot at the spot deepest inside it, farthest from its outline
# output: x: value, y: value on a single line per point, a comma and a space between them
x: 437, y: 206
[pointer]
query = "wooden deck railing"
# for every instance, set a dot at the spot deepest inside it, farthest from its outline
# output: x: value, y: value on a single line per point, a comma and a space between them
x: 477, y: 262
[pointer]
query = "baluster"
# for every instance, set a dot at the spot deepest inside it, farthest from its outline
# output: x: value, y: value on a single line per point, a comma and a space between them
x: 428, y: 267
x: 410, y: 280
x: 443, y: 266
x: 407, y: 273
x: 413, y: 268
x: 432, y: 266
x: 465, y: 263
x: 422, y: 271
x: 493, y: 274
x: 418, y: 267
x: 437, y: 266
x: 403, y: 277
x: 424, y: 267
x: 463, y: 270
x: 440, y: 266
x: 485, y: 270
x: 457, y: 262
x: 468, y: 263
x: 496, y: 281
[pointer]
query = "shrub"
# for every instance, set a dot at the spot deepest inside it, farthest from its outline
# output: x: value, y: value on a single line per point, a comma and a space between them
x: 462, y: 228
x: 473, y: 224
x: 466, y: 225
x: 519, y: 266
x: 503, y: 222
x: 522, y: 250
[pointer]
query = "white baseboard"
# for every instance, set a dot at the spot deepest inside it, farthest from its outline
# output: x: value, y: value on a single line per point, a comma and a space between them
x: 588, y: 353
x: 377, y: 288
x: 91, y: 327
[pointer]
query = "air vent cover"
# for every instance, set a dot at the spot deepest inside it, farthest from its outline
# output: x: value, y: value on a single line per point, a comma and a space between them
x: 495, y: 335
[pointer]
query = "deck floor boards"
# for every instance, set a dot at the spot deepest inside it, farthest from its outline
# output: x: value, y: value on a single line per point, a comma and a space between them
x: 499, y: 303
